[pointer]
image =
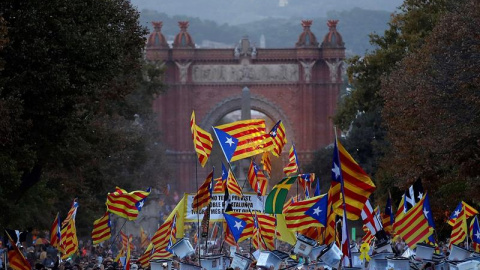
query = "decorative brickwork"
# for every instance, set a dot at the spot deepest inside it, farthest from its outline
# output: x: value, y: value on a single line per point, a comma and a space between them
x: 299, y: 85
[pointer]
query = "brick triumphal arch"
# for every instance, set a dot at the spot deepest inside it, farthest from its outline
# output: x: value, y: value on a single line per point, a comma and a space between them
x: 299, y: 85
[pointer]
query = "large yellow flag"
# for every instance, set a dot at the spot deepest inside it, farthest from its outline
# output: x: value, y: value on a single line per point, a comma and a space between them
x: 283, y: 233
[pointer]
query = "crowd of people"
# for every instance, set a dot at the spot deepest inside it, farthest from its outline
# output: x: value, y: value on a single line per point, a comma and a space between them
x: 43, y: 256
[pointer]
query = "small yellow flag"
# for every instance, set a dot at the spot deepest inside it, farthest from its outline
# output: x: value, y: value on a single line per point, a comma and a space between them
x: 180, y: 210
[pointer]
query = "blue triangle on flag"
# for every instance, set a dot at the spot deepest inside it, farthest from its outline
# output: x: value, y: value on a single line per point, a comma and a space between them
x: 235, y: 225
x: 318, y: 211
x: 227, y: 142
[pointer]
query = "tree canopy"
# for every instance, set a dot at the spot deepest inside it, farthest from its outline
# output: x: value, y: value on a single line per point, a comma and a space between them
x: 412, y: 111
x: 75, y: 108
x: 432, y: 111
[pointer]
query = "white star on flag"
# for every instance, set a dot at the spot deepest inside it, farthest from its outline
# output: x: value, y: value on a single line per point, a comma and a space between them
x: 238, y: 225
x: 140, y: 204
x: 456, y: 213
x: 230, y: 141
x: 425, y: 212
x: 317, y: 211
x: 477, y: 235
x: 420, y: 196
x: 336, y: 170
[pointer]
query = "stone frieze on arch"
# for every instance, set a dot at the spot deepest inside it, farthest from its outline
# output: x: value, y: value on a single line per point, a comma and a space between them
x: 245, y: 73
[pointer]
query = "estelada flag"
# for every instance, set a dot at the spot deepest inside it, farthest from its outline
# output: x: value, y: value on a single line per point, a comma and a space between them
x: 267, y: 164
x: 242, y: 139
x: 126, y: 204
x: 204, y: 193
x: 357, y: 184
x: 475, y: 234
x: 413, y: 226
x: 279, y: 138
x: 459, y: 230
x: 101, y: 229
x: 69, y: 241
x: 71, y: 213
x: 469, y: 211
x: 257, y: 179
x: 307, y: 213
x: 55, y: 233
x: 15, y: 257
x: 232, y: 185
x: 292, y: 166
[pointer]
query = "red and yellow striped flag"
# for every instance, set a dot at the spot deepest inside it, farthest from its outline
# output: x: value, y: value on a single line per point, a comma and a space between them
x: 202, y: 140
x: 124, y: 204
x: 368, y: 237
x: 55, y: 233
x: 292, y: 166
x: 16, y: 259
x: 219, y: 185
x: 162, y: 235
x: 71, y: 213
x: 257, y: 179
x: 413, y: 226
x: 203, y: 196
x: 101, y: 229
x: 161, y: 253
x: 279, y: 138
x: 264, y: 233
x: 144, y: 259
x: 144, y: 241
x: 459, y: 230
x: 357, y: 184
x: 232, y: 185
x: 330, y: 231
x: 267, y: 164
x: 69, y: 242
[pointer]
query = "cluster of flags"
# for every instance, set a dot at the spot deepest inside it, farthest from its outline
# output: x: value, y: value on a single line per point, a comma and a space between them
x: 63, y: 237
x: 316, y: 216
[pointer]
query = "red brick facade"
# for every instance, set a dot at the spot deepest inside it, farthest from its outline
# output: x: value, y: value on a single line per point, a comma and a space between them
x: 210, y: 81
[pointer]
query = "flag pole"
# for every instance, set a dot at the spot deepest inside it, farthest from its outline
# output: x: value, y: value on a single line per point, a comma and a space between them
x: 198, y: 213
x: 344, y: 204
x: 115, y: 238
x: 464, y: 213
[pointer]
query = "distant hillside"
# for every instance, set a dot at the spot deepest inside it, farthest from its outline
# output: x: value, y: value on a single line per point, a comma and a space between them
x: 355, y: 25
x: 236, y: 12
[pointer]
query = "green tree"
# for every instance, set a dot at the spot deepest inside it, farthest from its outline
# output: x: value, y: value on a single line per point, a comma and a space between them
x: 431, y: 111
x: 359, y: 112
x: 72, y: 82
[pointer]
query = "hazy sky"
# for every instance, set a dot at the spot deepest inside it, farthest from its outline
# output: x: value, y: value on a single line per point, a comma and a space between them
x: 242, y: 11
